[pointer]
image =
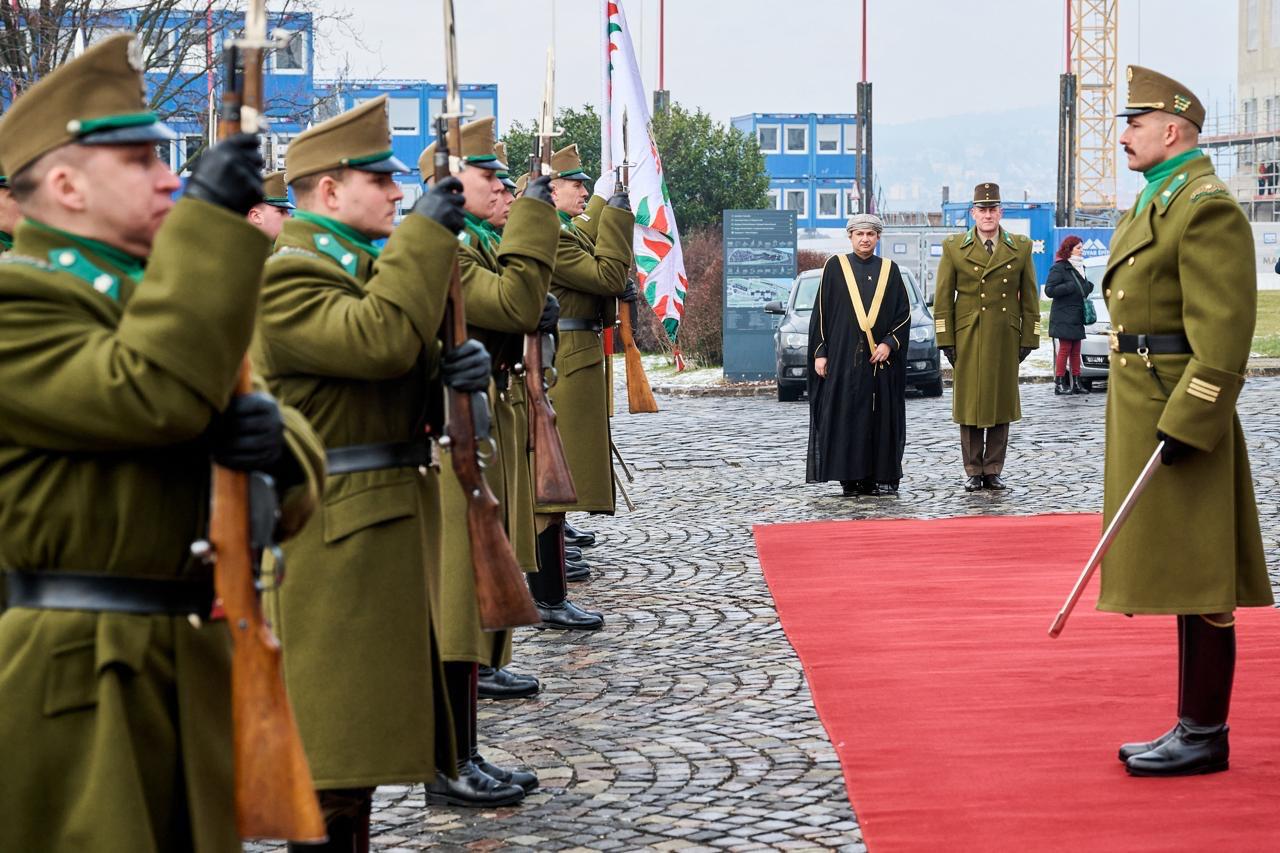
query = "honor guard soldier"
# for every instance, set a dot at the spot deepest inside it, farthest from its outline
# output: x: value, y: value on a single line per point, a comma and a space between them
x: 270, y: 213
x: 9, y: 212
x: 987, y: 318
x: 1182, y: 293
x: 505, y: 290
x: 593, y: 261
x: 348, y: 331
x: 124, y: 319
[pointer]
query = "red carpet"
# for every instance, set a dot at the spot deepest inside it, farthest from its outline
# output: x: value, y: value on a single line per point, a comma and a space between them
x: 961, y: 726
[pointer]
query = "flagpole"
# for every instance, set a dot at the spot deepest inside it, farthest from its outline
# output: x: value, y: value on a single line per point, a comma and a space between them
x: 606, y: 94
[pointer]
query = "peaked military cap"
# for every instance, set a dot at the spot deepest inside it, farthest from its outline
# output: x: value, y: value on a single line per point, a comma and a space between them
x: 503, y: 174
x: 567, y: 163
x: 522, y: 183
x: 986, y: 195
x: 97, y: 98
x: 360, y: 139
x: 274, y: 191
x: 477, y: 149
x: 1150, y: 90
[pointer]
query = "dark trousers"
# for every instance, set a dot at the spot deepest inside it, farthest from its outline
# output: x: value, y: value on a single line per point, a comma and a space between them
x: 984, y: 448
x: 347, y: 813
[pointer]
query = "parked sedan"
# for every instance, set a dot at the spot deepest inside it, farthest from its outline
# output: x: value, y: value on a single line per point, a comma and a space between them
x: 1095, y: 349
x: 791, y: 339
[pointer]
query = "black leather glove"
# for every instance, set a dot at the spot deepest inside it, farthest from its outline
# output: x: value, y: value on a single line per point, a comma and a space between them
x: 950, y: 353
x: 249, y: 434
x: 550, y: 315
x: 443, y: 203
x: 467, y: 367
x: 1173, y: 449
x: 622, y: 201
x: 540, y: 188
x: 629, y: 293
x: 229, y: 174
x: 1023, y: 352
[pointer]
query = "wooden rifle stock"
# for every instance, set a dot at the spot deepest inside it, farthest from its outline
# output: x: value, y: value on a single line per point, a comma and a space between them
x: 274, y: 793
x: 501, y: 590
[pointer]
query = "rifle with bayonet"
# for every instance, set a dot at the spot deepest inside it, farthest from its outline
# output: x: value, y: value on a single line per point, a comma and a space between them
x: 639, y: 394
x: 501, y: 590
x: 552, y: 480
x: 274, y: 793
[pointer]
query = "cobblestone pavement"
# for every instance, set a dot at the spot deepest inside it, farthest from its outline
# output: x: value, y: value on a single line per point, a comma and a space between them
x: 687, y: 722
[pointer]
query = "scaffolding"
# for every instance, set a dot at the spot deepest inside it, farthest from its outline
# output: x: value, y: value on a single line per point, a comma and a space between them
x: 1245, y: 150
x: 1093, y: 55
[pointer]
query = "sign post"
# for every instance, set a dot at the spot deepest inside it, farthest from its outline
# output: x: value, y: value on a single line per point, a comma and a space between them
x: 759, y: 267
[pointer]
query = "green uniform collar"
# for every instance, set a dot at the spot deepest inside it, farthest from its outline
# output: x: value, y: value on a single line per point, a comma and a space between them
x: 6, y: 240
x: 1157, y: 174
x: 339, y: 229
x: 483, y: 231
x: 566, y: 221
x: 85, y: 258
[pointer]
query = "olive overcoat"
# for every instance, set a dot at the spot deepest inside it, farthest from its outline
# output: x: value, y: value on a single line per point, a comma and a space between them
x: 115, y: 728
x: 590, y: 274
x: 504, y: 287
x: 987, y: 307
x: 1183, y: 265
x: 351, y: 340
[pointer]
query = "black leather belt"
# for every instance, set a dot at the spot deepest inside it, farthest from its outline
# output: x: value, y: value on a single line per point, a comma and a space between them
x: 371, y: 457
x: 579, y: 324
x: 115, y: 593
x: 1151, y: 344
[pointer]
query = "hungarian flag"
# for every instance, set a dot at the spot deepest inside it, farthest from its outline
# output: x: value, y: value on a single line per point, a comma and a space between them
x: 659, y: 261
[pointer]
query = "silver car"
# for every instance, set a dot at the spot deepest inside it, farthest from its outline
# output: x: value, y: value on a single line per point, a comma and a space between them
x: 1095, y: 350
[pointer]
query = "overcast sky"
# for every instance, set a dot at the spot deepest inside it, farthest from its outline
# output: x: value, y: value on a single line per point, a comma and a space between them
x: 926, y: 58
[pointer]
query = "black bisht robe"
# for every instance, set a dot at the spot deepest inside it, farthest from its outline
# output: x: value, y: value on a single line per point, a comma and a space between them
x: 857, y: 414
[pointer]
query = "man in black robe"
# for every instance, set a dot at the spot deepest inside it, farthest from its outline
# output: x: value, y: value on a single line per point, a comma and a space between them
x: 858, y: 337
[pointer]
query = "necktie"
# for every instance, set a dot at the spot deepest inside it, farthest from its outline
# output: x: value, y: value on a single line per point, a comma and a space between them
x: 990, y: 248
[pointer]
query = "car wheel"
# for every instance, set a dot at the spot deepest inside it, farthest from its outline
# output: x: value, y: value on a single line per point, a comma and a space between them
x: 788, y: 393
x: 932, y: 389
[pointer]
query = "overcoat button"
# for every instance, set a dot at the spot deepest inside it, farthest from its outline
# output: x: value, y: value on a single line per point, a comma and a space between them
x: 1124, y: 362
x: 1119, y: 294
x: 1131, y: 260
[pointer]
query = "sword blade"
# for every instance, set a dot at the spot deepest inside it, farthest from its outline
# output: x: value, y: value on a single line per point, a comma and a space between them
x: 453, y: 97
x: 1108, y: 536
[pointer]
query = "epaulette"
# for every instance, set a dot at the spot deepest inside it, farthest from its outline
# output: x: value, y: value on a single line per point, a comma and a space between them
x: 1210, y: 189
x: 285, y: 251
x: 10, y: 257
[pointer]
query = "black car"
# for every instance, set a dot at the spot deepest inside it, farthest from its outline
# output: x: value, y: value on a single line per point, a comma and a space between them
x: 791, y: 339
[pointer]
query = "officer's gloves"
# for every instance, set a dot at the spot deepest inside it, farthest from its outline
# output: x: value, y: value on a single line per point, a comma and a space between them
x: 229, y: 174
x: 950, y: 353
x: 629, y: 293
x: 622, y: 201
x: 540, y: 188
x: 443, y: 203
x: 605, y: 185
x: 249, y: 434
x: 1173, y: 449
x: 1023, y: 352
x: 550, y: 315
x: 467, y: 367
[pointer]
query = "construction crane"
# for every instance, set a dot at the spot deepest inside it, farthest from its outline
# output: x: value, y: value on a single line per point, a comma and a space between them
x: 1087, y: 112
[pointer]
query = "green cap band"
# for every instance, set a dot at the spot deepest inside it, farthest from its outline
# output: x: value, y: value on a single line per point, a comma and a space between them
x: 84, y: 127
x: 365, y: 161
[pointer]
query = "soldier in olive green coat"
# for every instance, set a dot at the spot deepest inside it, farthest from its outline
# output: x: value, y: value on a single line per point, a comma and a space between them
x: 987, y: 318
x: 593, y: 261
x: 505, y: 291
x: 116, y: 372
x: 1182, y: 295
x: 348, y: 333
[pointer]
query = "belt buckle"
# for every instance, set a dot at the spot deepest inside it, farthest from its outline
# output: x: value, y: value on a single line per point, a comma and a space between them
x: 1114, y: 338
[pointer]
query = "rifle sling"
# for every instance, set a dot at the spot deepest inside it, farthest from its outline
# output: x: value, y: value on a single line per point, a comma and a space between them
x: 58, y: 590
x: 372, y: 457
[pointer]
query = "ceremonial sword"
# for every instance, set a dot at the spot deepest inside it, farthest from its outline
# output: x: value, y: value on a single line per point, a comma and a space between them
x: 1108, y: 537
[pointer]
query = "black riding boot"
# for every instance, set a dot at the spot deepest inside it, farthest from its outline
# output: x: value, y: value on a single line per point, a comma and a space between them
x: 522, y: 779
x: 550, y: 590
x: 1129, y: 750
x: 1199, y: 742
x: 346, y: 821
x: 473, y: 788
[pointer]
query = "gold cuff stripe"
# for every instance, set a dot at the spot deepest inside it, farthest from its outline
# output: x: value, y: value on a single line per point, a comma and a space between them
x: 1207, y: 386
x: 1208, y: 394
x: 939, y: 325
x: 1037, y: 328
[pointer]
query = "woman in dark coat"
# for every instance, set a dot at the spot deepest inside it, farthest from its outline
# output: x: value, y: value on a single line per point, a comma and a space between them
x: 1068, y: 288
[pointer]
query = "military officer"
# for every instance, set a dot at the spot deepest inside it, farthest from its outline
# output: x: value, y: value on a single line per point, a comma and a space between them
x: 270, y: 213
x: 505, y: 289
x: 987, y: 318
x: 125, y: 322
x: 592, y: 265
x: 9, y: 212
x: 348, y: 331
x: 1182, y: 293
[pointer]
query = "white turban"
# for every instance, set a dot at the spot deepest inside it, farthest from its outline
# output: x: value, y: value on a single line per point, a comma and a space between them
x: 863, y: 221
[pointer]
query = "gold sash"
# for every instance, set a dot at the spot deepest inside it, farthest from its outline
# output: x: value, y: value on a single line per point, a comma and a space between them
x: 866, y: 319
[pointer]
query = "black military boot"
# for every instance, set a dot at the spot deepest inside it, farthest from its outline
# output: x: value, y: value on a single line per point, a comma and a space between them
x: 1199, y: 741
x: 581, y: 538
x: 473, y: 788
x: 550, y: 589
x: 502, y: 683
x: 1129, y: 750
x: 346, y: 821
x: 522, y: 779
x: 1077, y: 387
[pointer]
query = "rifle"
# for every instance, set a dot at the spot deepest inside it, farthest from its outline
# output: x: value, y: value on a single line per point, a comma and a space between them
x: 501, y: 590
x: 275, y: 795
x: 552, y: 479
x: 639, y: 394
